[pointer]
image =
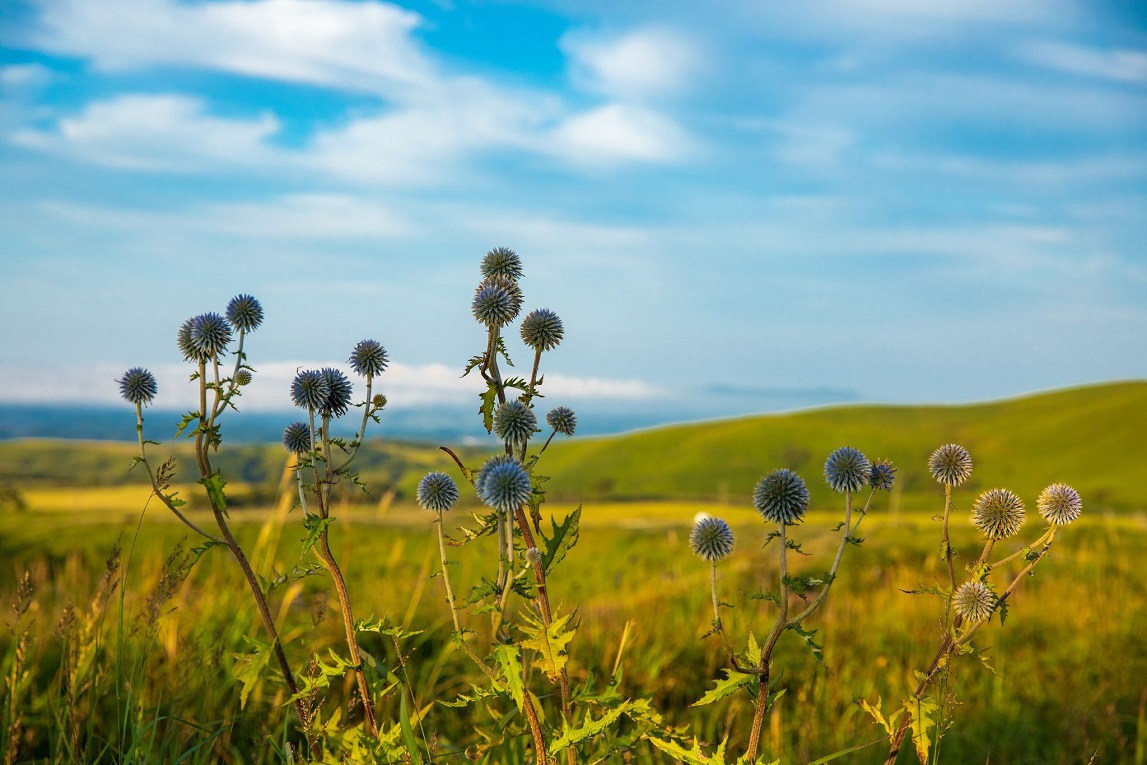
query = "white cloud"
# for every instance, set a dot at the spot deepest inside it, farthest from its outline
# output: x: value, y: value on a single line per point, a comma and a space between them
x: 346, y: 45
x: 24, y: 76
x: 1117, y: 65
x: 647, y: 61
x: 155, y: 132
x: 618, y: 132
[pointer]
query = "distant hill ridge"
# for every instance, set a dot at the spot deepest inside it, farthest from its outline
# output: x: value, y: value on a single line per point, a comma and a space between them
x: 1090, y: 437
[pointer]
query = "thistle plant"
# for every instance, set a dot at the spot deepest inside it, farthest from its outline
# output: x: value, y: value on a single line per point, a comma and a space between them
x: 999, y: 515
x: 781, y: 498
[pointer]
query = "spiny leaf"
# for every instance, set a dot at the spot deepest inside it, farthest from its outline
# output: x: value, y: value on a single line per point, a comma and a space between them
x: 249, y: 668
x: 591, y: 727
x: 565, y: 536
x: 807, y: 635
x: 214, y: 485
x: 509, y: 661
x: 733, y: 682
x: 694, y: 756
x: 922, y: 711
x: 316, y: 526
x: 550, y: 643
x: 874, y: 710
x: 489, y: 400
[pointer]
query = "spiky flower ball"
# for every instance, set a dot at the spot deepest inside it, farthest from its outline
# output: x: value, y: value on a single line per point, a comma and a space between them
x: 514, y: 422
x: 437, y: 491
x: 378, y: 401
x: 487, y: 466
x: 846, y: 469
x: 883, y: 475
x: 243, y: 377
x: 998, y: 513
x: 244, y: 313
x: 781, y: 497
x: 974, y: 601
x: 368, y: 358
x: 951, y: 464
x: 183, y: 340
x: 563, y: 420
x: 297, y: 438
x: 340, y: 391
x: 138, y: 386
x: 310, y: 389
x: 494, y: 304
x: 711, y: 539
x: 1059, y: 504
x: 502, y: 262
x: 210, y: 334
x: 542, y: 330
x: 504, y: 484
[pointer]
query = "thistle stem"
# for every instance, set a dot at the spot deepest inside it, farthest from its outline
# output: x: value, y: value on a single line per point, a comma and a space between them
x: 767, y: 652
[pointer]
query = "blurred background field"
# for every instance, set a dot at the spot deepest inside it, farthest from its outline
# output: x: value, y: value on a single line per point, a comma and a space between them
x: 1069, y: 664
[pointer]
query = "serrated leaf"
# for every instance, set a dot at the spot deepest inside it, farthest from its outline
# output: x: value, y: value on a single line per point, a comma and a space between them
x: 877, y: 715
x: 565, y: 536
x: 249, y: 668
x: 475, y: 361
x: 489, y: 400
x: 198, y: 550
x: 214, y: 484
x: 549, y: 643
x: 694, y: 756
x: 590, y: 728
x: 188, y: 418
x: 922, y: 725
x: 509, y: 661
x: 807, y: 635
x: 315, y: 526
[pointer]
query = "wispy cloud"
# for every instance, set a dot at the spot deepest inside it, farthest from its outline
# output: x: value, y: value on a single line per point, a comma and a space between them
x: 644, y: 62
x: 1120, y: 65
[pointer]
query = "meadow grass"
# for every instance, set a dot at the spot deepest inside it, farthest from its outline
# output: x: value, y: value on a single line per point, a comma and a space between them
x: 1070, y: 660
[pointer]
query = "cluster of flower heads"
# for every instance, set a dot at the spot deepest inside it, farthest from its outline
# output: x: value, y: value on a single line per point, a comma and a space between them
x: 498, y: 299
x: 326, y: 391
x: 711, y: 539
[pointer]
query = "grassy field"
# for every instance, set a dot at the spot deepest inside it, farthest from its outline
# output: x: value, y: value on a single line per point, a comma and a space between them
x: 156, y: 682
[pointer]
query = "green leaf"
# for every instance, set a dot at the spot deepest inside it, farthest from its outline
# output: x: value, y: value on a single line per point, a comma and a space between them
x: 732, y: 683
x: 888, y: 725
x: 249, y: 668
x: 214, y: 485
x: 316, y: 526
x: 509, y: 661
x: 198, y: 550
x: 807, y: 635
x: 188, y: 418
x: 591, y: 727
x: 408, y: 733
x: 565, y: 536
x: 489, y: 400
x: 922, y: 711
x: 694, y: 756
x: 550, y: 643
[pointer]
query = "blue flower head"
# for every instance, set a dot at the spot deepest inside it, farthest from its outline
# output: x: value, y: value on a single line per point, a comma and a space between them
x: 244, y: 313
x: 883, y: 475
x: 310, y: 389
x: 847, y: 470
x: 711, y: 538
x: 183, y: 340
x: 437, y: 491
x: 496, y: 302
x: 514, y: 422
x: 503, y: 484
x: 138, y: 386
x: 998, y: 513
x: 368, y: 358
x: 502, y: 262
x: 563, y: 420
x: 340, y: 391
x: 209, y: 335
x: 542, y: 330
x: 297, y: 438
x: 781, y: 497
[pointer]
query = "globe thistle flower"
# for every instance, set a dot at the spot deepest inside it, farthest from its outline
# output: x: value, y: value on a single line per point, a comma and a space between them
x: 883, y: 475
x: 711, y: 539
x: 974, y: 601
x: 502, y: 262
x: 437, y: 491
x: 846, y: 469
x: 243, y: 377
x: 781, y: 497
x: 494, y: 303
x: 138, y: 386
x: 563, y: 420
x: 310, y: 389
x: 368, y: 358
x: 210, y: 334
x: 378, y: 401
x: 951, y: 464
x: 244, y: 313
x: 514, y: 422
x: 504, y: 485
x: 297, y: 438
x: 338, y: 399
x: 1059, y: 504
x: 183, y: 340
x: 998, y: 513
x: 542, y: 330
x: 489, y: 465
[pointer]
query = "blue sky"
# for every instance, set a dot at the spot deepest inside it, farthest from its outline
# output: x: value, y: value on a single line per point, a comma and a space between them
x: 731, y: 205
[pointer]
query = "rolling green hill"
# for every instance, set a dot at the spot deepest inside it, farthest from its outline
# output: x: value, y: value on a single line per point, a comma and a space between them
x: 1091, y: 437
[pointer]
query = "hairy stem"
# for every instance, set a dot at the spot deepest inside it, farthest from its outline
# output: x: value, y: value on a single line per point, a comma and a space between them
x: 767, y: 652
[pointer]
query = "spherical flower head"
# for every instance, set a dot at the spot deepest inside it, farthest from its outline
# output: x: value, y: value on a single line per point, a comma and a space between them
x: 882, y: 476
x: 711, y: 539
x: 368, y: 358
x: 503, y: 484
x: 563, y: 420
x: 846, y: 469
x: 781, y: 497
x: 494, y: 304
x: 514, y: 422
x: 998, y: 513
x: 138, y: 386
x: 210, y: 334
x: 502, y: 262
x: 951, y: 464
x: 542, y: 330
x: 297, y: 438
x: 974, y: 601
x: 310, y: 389
x: 183, y: 341
x: 437, y: 492
x: 338, y: 399
x: 1059, y: 504
x: 243, y: 377
x: 378, y: 401
x: 244, y: 313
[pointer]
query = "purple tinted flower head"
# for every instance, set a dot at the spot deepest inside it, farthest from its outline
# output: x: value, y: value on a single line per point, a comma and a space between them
x: 496, y: 302
x: 542, y: 330
x: 503, y: 484
x: 297, y: 438
x: 514, y: 422
x: 244, y: 313
x: 781, y: 497
x: 310, y: 389
x: 502, y: 262
x: 711, y: 538
x: 138, y: 386
x: 339, y: 392
x: 437, y: 491
x: 847, y: 470
x: 368, y: 358
x: 883, y: 475
x: 563, y: 420
x: 209, y: 335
